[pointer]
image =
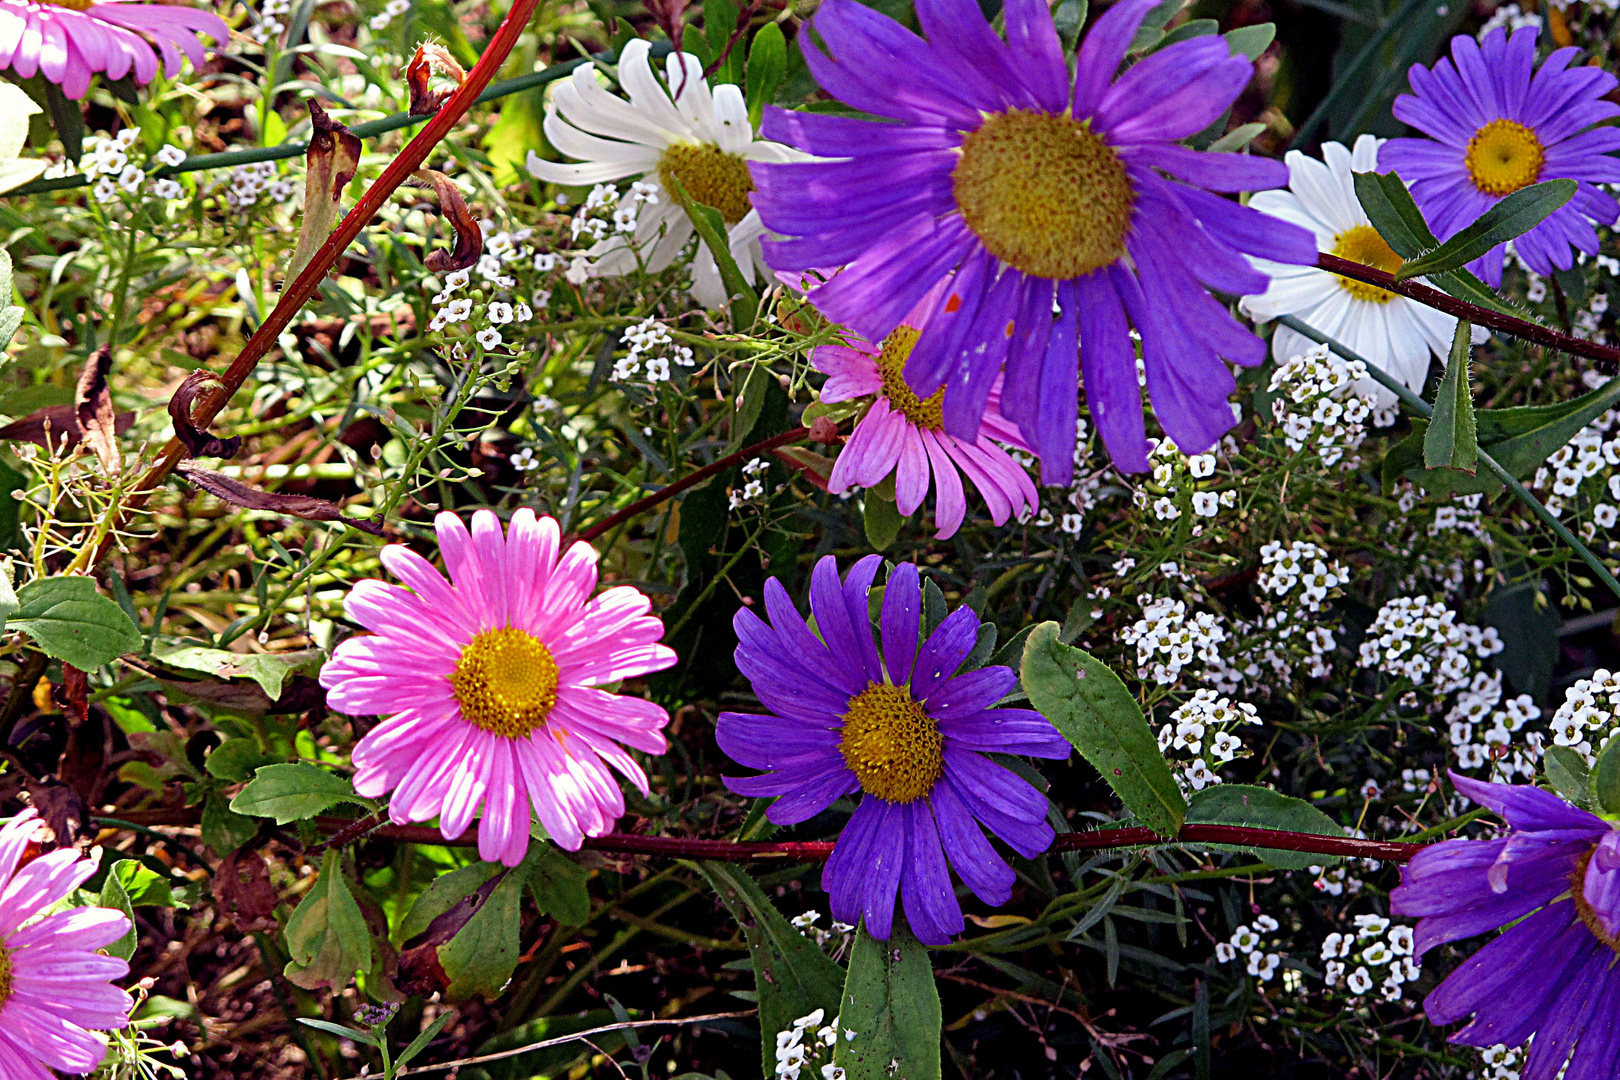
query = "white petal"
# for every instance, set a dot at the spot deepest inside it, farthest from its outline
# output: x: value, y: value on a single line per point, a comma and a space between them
x: 731, y: 118
x: 592, y: 173
x: 577, y: 144
x: 587, y: 104
x: 635, y: 75
x: 684, y: 74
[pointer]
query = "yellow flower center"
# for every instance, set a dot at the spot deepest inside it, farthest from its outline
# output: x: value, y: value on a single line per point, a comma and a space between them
x: 1503, y: 157
x: 891, y: 744
x: 5, y: 974
x: 1362, y: 244
x: 711, y: 176
x: 76, y: 5
x: 891, y: 361
x: 1585, y: 910
x: 506, y: 682
x: 1044, y: 193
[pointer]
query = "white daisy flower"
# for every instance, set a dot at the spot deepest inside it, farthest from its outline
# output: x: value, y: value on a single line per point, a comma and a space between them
x: 1390, y: 331
x: 702, y: 137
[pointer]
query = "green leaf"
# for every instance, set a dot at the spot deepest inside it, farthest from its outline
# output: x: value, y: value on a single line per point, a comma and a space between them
x: 1569, y: 775
x: 1452, y: 441
x: 1604, y: 782
x: 481, y: 957
x: 1236, y: 139
x: 711, y: 229
x: 143, y: 886
x: 71, y: 622
x: 719, y: 23
x: 444, y: 893
x: 889, y: 1018
x: 113, y: 895
x: 881, y: 518
x: 752, y: 394
x: 9, y: 603
x: 235, y: 759
x: 1513, y: 216
x: 1152, y: 25
x: 293, y: 792
x: 420, y: 1043
x: 559, y: 885
x: 222, y: 829
x: 1258, y: 807
x: 1089, y: 704
x: 270, y: 670
x: 342, y: 1031
x: 791, y: 974
x: 11, y: 316
x: 1068, y: 17
x: 767, y: 67
x: 327, y: 936
x: 1251, y: 41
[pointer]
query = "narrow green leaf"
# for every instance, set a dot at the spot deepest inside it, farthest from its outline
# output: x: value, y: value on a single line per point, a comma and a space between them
x: 1068, y: 17
x: 9, y: 604
x: 889, y: 1017
x: 1513, y: 216
x: 1569, y: 775
x: 881, y: 518
x: 752, y: 392
x: 1236, y: 139
x: 114, y: 895
x: 70, y: 621
x: 420, y: 1043
x: 327, y: 937
x: 292, y: 792
x: 340, y: 1030
x: 1252, y: 40
x: 1258, y: 807
x: 792, y: 976
x: 767, y: 67
x: 1394, y: 214
x: 1604, y: 781
x: 1452, y: 441
x: 719, y: 23
x: 1089, y: 704
x: 711, y: 229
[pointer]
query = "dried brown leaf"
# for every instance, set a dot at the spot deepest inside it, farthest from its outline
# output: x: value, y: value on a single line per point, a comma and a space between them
x: 453, y: 208
x: 93, y: 409
x: 72, y: 694
x: 333, y: 158
x: 246, y: 896
x: 306, y: 507
x: 431, y: 59
x: 55, y: 427
x: 198, y: 441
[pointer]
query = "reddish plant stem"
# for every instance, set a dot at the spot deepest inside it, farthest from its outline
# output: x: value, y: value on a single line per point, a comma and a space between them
x: 1449, y: 304
x: 304, y: 286
x: 642, y: 505
x: 680, y: 847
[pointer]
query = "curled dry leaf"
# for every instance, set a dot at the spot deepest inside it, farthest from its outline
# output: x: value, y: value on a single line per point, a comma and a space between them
x: 431, y: 59
x: 453, y: 208
x: 92, y: 408
x: 198, y: 441
x: 72, y: 694
x: 56, y: 427
x: 237, y: 493
x: 333, y: 158
x: 244, y: 891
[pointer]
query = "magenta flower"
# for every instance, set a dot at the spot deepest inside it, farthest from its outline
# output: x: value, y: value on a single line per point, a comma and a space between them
x: 55, y: 990
x: 905, y: 434
x: 68, y: 41
x: 490, y: 684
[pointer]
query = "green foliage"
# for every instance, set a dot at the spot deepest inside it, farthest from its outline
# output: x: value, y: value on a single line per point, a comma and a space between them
x: 1604, y: 781
x: 270, y: 670
x: 1569, y: 775
x: 71, y: 622
x: 767, y: 67
x: 293, y: 792
x: 890, y: 1019
x: 1515, y: 215
x: 327, y: 936
x: 1263, y: 808
x: 115, y: 895
x: 480, y: 958
x: 1452, y: 441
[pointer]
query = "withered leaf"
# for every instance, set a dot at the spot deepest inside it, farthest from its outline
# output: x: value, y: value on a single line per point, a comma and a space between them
x: 453, y: 208
x: 63, y: 809
x: 333, y: 158
x: 198, y: 441
x: 237, y: 493
x: 246, y: 896
x: 431, y: 58
x: 56, y: 427
x: 93, y: 409
x: 72, y: 694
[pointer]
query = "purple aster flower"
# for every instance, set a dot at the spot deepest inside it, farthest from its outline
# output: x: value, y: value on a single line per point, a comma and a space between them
x: 899, y: 723
x: 1034, y: 191
x: 1495, y: 125
x: 1554, y: 880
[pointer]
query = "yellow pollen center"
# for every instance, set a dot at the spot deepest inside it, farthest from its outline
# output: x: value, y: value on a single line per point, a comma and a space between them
x: 891, y: 744
x: 891, y: 361
x: 1362, y: 244
x: 711, y: 176
x: 5, y: 974
x: 1584, y: 909
x: 1503, y: 157
x: 506, y: 682
x: 76, y: 5
x: 1044, y: 193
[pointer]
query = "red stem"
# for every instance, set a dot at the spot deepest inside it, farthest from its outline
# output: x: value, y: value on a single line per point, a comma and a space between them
x: 642, y: 505
x: 1449, y: 304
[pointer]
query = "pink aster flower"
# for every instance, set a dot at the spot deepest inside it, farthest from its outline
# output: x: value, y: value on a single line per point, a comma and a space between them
x: 490, y: 685
x: 68, y: 41
x: 56, y: 991
x: 905, y: 434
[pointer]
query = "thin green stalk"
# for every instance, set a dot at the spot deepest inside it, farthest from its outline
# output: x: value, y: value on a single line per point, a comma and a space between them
x: 1490, y: 464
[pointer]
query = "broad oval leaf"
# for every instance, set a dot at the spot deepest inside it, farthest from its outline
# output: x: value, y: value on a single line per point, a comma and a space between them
x: 1605, y: 779
x: 70, y: 621
x: 1089, y: 704
x: 1513, y: 216
x: 1569, y: 775
x: 293, y: 792
x: 327, y: 936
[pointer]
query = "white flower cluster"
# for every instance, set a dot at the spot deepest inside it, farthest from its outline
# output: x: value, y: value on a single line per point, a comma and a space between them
x: 1246, y: 941
x: 794, y: 1053
x: 1582, y: 476
x: 1462, y: 513
x: 106, y: 159
x: 1514, y: 18
x: 1586, y: 719
x: 1301, y: 562
x: 606, y: 211
x: 1376, y: 949
x: 1318, y: 407
x: 269, y: 26
x: 1203, y: 726
x: 255, y: 178
x: 391, y: 11
x: 650, y: 343
x: 1168, y: 640
x: 501, y: 249
x: 1478, y: 727
x: 805, y: 924
x: 1176, y: 486
x: 1503, y: 1062
x: 754, y: 487
x: 1415, y: 638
